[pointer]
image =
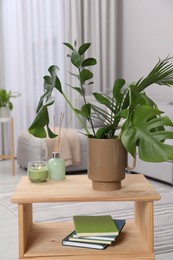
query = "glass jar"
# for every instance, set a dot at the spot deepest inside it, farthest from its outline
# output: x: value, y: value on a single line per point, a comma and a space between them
x: 37, y: 171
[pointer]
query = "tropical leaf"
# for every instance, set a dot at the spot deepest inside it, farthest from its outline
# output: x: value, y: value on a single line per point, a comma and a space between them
x: 86, y: 109
x: 41, y: 120
x: 83, y: 48
x: 68, y: 45
x: 37, y: 127
x: 138, y: 98
x: 117, y: 94
x: 57, y: 85
x: 76, y: 88
x: 123, y: 113
x: 142, y: 130
x: 102, y: 99
x: 53, y: 69
x: 85, y: 75
x: 48, y: 82
x: 76, y: 59
x: 102, y: 132
x: 45, y: 96
x: 161, y: 74
x: 75, y: 75
x: 89, y: 62
x: 80, y: 112
x: 50, y: 133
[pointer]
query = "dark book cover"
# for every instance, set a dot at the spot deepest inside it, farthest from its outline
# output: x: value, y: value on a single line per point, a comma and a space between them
x: 67, y: 242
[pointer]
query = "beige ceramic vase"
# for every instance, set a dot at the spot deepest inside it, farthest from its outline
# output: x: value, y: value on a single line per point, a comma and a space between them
x: 106, y: 163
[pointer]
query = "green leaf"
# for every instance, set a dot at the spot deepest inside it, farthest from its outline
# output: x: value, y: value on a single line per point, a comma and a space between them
x: 45, y: 97
x: 86, y: 109
x: 161, y: 74
x: 76, y: 59
x: 48, y: 82
x: 144, y: 130
x: 102, y: 132
x: 53, y: 70
x: 68, y: 45
x: 89, y: 62
x: 37, y: 131
x: 85, y: 75
x: 83, y: 48
x: 49, y: 101
x: 76, y: 88
x: 118, y: 84
x: 102, y: 99
x: 40, y: 121
x: 75, y: 75
x: 137, y: 98
x: 50, y: 133
x: 80, y: 112
x: 57, y: 85
x: 123, y: 113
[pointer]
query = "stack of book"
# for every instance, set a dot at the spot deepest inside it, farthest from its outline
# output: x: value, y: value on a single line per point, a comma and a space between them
x: 94, y: 232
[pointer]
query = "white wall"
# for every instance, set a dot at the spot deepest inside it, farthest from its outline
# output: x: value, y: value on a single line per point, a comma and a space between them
x: 147, y: 35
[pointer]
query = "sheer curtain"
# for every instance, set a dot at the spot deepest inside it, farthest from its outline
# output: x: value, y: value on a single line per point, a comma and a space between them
x: 32, y: 35
x: 96, y: 22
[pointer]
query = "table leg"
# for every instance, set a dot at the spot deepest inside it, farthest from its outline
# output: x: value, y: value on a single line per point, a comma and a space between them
x: 24, y: 226
x: 144, y: 215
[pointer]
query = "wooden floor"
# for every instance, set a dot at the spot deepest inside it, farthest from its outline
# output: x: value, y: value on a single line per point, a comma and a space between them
x: 9, y: 224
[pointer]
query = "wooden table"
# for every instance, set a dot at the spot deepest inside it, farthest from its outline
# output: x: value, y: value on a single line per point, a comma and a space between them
x: 44, y: 240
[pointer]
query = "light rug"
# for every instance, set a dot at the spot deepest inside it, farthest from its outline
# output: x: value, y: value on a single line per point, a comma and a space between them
x: 163, y: 210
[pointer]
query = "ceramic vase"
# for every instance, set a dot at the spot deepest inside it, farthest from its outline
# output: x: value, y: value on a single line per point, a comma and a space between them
x: 107, y: 159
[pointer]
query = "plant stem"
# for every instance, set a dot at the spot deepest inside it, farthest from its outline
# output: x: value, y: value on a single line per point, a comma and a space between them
x: 85, y: 102
x: 76, y: 114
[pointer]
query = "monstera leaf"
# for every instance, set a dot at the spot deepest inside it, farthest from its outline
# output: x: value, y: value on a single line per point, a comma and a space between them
x: 41, y: 121
x: 146, y: 130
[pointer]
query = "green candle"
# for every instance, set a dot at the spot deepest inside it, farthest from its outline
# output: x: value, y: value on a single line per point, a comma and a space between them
x: 37, y: 171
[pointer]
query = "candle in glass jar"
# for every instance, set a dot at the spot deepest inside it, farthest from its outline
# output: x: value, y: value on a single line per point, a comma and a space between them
x: 37, y: 171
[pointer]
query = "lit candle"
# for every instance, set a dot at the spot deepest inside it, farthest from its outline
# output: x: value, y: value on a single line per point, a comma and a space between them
x: 37, y: 171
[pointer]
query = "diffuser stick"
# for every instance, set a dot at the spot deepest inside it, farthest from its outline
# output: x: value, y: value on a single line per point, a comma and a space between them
x: 66, y: 131
x: 54, y: 143
x: 60, y: 127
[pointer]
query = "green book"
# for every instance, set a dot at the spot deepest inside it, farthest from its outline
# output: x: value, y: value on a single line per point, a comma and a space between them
x: 118, y: 222
x: 88, y: 239
x: 95, y: 226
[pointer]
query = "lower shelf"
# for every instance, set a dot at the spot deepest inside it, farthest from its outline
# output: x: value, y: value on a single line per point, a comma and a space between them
x: 45, y: 243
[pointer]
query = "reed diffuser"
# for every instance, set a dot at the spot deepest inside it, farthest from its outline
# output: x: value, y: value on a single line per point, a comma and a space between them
x: 56, y: 165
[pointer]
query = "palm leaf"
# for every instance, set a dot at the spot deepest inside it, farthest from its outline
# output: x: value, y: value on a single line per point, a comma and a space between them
x: 161, y: 74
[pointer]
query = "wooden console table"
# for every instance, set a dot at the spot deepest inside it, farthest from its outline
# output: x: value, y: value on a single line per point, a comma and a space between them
x: 44, y: 240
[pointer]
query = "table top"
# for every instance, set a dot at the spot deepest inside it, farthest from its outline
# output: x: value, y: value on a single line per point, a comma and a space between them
x: 135, y: 187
